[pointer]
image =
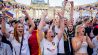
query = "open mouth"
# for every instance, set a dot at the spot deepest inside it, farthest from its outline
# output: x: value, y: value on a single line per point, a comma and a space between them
x: 52, y: 36
x: 21, y: 31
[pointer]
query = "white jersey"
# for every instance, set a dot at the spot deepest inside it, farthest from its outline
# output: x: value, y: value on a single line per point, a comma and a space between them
x: 49, y: 48
x: 61, y: 42
x: 61, y: 46
x: 16, y: 45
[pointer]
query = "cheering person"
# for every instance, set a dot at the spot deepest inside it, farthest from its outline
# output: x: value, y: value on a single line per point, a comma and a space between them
x: 80, y: 42
x: 49, y: 42
x: 20, y: 38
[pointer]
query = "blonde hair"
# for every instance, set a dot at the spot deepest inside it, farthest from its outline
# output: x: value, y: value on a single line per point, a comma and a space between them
x: 76, y: 30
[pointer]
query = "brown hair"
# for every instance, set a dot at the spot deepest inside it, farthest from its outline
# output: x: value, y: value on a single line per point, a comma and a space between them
x: 16, y: 33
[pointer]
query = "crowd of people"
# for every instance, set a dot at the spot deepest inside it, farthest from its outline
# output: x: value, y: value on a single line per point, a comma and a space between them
x: 56, y: 37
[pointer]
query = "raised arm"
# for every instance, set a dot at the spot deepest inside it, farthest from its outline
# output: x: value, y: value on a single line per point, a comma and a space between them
x: 3, y: 28
x: 31, y: 22
x: 41, y: 25
x: 60, y: 33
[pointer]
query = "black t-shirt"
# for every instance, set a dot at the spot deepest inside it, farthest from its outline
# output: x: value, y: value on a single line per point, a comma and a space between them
x: 88, y: 30
x: 71, y: 34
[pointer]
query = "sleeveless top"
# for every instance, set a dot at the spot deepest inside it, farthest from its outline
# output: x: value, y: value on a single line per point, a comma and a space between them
x: 83, y: 48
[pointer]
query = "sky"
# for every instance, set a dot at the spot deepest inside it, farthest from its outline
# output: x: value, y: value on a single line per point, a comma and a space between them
x: 76, y: 2
x: 81, y: 2
x: 59, y: 2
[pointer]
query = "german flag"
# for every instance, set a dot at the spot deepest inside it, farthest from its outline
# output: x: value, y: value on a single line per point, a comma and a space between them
x: 34, y: 43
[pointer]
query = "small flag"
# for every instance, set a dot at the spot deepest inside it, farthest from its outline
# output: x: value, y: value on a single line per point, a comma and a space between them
x: 9, y: 14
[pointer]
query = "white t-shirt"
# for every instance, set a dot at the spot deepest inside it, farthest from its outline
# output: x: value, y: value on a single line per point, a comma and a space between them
x: 16, y: 45
x: 95, y: 42
x: 61, y: 45
x: 61, y: 42
x: 8, y: 28
x: 11, y: 29
x: 26, y: 28
x: 57, y: 29
x: 49, y: 48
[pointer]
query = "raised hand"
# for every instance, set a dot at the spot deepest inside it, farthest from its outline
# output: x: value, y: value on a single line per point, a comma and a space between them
x: 44, y: 14
x: 25, y: 12
x: 61, y: 13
